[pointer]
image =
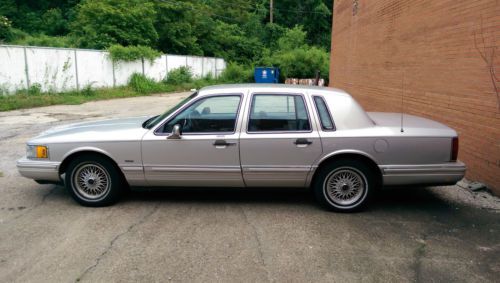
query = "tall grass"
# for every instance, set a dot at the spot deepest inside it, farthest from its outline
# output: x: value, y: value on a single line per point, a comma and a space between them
x: 139, y: 85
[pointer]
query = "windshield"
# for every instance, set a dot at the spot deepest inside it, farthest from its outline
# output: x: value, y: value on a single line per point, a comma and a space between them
x: 153, y: 121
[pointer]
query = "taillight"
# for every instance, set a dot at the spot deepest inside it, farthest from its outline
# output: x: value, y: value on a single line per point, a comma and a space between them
x: 454, y: 149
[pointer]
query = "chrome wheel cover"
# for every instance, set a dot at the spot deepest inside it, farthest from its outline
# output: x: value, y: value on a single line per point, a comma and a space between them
x: 345, y: 186
x: 91, y: 181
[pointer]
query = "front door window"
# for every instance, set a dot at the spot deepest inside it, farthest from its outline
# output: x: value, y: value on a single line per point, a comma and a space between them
x: 215, y: 114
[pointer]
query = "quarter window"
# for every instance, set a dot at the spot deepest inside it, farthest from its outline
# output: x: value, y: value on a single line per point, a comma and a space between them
x: 208, y: 115
x: 324, y: 114
x: 278, y: 113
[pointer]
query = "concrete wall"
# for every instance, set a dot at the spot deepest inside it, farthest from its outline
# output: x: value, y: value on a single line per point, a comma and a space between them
x: 62, y: 69
x: 442, y: 56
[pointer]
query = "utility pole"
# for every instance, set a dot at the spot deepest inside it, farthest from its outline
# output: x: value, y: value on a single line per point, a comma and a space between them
x: 271, y: 11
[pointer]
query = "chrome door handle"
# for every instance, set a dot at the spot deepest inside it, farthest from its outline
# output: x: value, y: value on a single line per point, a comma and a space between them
x: 302, y: 141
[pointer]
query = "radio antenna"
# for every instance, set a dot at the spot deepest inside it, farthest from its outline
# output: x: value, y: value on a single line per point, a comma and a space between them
x: 402, y: 95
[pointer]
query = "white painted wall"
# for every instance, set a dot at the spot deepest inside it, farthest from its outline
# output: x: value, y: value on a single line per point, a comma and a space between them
x: 94, y: 69
x: 62, y: 69
x: 12, y: 73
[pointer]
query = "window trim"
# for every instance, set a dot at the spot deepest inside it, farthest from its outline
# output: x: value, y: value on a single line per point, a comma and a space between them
x: 277, y: 132
x: 319, y: 116
x: 157, y: 131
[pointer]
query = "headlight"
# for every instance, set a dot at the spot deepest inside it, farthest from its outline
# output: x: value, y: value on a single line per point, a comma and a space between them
x: 37, y: 151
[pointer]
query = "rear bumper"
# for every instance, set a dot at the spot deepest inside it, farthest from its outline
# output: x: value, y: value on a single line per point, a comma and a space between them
x: 39, y: 170
x: 435, y: 174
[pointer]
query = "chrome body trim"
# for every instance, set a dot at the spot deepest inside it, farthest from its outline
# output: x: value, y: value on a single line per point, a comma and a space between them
x: 446, y: 173
x: 200, y: 169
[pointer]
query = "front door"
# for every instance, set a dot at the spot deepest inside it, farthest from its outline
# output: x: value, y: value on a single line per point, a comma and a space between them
x: 207, y: 152
x: 280, y: 142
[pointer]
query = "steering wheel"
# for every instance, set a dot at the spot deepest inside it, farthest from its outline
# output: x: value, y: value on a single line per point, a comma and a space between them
x: 190, y: 122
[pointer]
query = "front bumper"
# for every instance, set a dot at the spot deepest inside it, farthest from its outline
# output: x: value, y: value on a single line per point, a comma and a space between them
x: 431, y: 174
x: 39, y: 170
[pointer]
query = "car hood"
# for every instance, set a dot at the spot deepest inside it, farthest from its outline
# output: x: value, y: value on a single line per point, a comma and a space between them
x: 123, y: 129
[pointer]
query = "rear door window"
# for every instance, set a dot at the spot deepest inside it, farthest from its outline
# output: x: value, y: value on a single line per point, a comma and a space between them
x: 278, y: 113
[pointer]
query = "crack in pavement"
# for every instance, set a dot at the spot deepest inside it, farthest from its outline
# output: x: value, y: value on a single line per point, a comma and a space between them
x: 259, y: 244
x: 116, y: 238
x: 418, y: 255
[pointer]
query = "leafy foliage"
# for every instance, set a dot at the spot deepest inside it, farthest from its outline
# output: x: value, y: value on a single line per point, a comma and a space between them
x: 238, y: 30
x: 295, y: 58
x: 132, y: 53
x: 5, y: 29
x: 54, y: 23
x: 237, y: 73
x: 179, y: 76
x: 35, y: 89
x: 143, y: 84
x: 44, y: 40
x: 102, y: 23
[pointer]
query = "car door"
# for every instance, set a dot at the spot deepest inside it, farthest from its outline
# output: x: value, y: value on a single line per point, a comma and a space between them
x: 207, y: 151
x: 279, y: 142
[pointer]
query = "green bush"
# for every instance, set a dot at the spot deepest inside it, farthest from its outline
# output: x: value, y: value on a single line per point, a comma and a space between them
x: 45, y: 40
x: 143, y: 84
x: 236, y: 73
x: 132, y: 53
x: 88, y: 90
x: 295, y: 58
x: 101, y: 23
x: 54, y: 22
x: 5, y: 29
x: 35, y: 89
x: 179, y: 76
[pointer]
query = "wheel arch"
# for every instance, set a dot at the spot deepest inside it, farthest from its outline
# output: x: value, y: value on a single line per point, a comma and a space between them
x: 70, y: 156
x: 349, y: 155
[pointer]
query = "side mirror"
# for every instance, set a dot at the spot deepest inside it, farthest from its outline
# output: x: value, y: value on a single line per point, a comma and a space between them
x: 176, y: 132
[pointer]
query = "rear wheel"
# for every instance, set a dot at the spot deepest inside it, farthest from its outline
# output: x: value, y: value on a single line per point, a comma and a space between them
x: 344, y: 185
x: 93, y: 181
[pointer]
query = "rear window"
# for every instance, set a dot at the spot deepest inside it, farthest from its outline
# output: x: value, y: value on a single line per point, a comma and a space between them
x: 323, y: 113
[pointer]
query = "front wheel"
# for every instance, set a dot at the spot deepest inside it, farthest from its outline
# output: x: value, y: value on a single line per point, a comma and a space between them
x: 344, y: 185
x: 93, y: 181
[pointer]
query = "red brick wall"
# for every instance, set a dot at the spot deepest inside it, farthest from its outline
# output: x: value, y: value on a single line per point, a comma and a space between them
x: 440, y: 54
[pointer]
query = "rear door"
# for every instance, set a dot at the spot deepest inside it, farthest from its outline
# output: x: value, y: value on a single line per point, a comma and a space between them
x: 279, y: 141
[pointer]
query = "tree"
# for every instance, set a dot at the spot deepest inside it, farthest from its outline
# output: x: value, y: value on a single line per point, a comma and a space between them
x: 176, y: 26
x: 297, y: 59
x: 5, y: 29
x: 54, y: 22
x: 315, y: 16
x: 102, y: 23
x: 229, y: 41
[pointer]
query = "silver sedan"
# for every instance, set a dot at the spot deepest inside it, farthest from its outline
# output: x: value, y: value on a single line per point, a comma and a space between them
x: 249, y: 136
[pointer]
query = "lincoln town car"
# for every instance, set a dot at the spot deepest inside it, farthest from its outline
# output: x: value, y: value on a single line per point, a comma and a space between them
x: 249, y: 135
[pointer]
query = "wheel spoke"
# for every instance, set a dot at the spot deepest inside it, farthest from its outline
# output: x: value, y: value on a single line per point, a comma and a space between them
x: 345, y: 186
x: 91, y: 181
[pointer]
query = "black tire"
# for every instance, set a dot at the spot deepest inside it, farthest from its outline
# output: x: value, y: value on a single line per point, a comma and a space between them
x: 334, y: 182
x: 98, y: 169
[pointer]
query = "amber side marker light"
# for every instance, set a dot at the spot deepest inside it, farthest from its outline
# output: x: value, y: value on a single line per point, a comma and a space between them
x: 37, y: 151
x: 454, y: 149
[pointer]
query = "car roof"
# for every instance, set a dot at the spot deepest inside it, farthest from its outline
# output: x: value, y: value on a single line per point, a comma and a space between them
x: 270, y: 87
